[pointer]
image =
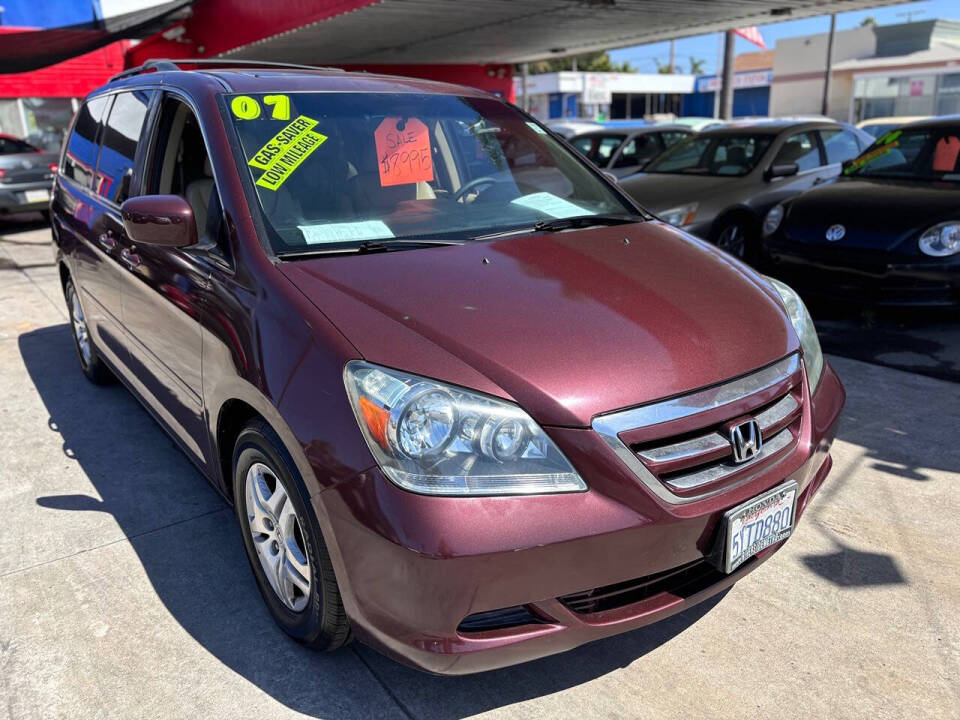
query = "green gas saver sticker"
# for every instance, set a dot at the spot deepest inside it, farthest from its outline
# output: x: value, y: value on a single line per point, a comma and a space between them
x: 284, y: 152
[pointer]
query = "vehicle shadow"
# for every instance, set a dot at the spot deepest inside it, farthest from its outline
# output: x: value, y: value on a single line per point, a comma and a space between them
x: 197, y: 568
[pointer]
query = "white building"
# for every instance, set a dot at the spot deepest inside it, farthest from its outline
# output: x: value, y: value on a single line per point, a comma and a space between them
x: 612, y: 95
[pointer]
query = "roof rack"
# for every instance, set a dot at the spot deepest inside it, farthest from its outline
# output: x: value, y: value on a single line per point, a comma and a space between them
x: 166, y: 65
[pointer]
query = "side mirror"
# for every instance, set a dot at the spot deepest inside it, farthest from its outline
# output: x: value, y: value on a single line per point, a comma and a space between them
x: 165, y: 220
x: 610, y: 176
x: 783, y: 170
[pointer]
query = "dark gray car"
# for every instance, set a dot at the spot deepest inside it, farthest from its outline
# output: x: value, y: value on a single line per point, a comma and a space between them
x: 26, y: 176
x: 720, y: 183
x: 624, y: 151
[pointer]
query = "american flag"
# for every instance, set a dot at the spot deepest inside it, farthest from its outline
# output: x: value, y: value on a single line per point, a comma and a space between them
x: 751, y: 34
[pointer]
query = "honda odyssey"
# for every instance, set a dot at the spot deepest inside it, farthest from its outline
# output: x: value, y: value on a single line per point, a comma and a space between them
x: 471, y: 403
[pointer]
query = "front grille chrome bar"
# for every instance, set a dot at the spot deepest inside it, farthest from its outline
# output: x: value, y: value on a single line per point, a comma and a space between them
x: 610, y: 426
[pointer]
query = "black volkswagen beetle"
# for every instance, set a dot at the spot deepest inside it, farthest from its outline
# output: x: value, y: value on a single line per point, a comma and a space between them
x: 887, y: 232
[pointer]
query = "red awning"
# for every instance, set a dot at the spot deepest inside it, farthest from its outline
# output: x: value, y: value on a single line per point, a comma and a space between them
x: 24, y: 49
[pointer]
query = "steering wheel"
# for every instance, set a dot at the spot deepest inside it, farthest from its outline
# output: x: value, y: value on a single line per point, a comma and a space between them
x: 475, y: 183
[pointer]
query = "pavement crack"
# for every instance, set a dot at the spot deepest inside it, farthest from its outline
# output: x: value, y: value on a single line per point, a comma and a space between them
x: 386, y: 688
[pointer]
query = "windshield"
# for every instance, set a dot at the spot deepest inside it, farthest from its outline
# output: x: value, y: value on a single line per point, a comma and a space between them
x: 344, y: 168
x: 731, y: 155
x: 920, y: 154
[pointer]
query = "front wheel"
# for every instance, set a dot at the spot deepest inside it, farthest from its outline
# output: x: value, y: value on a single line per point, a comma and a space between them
x: 284, y: 544
x: 732, y: 237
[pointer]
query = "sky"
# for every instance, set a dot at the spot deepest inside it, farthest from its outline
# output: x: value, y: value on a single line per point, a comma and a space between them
x: 705, y: 47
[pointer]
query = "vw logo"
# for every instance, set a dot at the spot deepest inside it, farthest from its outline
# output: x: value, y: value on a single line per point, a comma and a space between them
x: 836, y: 232
x: 746, y: 441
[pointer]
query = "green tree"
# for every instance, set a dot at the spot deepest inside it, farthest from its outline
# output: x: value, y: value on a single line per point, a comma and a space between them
x: 591, y: 62
x: 869, y: 21
x: 696, y: 65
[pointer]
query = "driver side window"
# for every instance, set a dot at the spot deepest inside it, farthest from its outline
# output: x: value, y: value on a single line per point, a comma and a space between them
x: 801, y: 149
x: 181, y: 166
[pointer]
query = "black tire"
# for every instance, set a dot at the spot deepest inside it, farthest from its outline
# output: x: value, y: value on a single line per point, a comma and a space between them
x: 737, y: 235
x: 91, y: 364
x: 322, y: 624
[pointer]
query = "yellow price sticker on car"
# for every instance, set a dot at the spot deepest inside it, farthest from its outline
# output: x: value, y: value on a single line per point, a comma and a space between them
x: 284, y: 152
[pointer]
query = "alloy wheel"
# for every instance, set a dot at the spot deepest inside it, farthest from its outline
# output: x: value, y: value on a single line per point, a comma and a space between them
x: 277, y: 534
x: 79, y: 323
x: 733, y: 240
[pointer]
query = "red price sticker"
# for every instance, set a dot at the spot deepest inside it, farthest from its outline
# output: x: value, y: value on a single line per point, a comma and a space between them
x: 403, y: 151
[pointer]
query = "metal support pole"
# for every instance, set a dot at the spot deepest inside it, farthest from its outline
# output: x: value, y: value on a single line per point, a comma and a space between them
x: 523, y: 86
x: 673, y: 57
x: 826, y: 75
x: 726, y: 83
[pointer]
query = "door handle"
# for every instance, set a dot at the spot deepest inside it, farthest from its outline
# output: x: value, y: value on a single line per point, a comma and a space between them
x: 130, y: 257
x: 107, y: 241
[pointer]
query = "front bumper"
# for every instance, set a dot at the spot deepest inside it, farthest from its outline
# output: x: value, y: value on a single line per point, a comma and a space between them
x: 412, y: 568
x: 852, y: 277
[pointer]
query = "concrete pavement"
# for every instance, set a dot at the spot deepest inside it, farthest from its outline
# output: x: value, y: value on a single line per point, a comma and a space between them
x: 124, y: 592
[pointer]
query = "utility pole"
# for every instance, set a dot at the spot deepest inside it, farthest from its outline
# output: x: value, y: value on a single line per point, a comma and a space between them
x: 523, y: 85
x: 826, y: 76
x: 673, y: 57
x: 726, y: 83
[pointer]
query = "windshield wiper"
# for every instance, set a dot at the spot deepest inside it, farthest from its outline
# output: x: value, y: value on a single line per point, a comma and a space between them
x: 569, y: 223
x: 367, y: 246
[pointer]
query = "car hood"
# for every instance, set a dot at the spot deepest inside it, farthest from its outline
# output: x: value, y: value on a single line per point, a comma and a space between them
x: 568, y: 325
x: 877, y: 214
x: 658, y: 192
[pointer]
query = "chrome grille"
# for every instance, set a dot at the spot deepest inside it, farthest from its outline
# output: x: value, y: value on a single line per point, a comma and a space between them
x: 675, y: 466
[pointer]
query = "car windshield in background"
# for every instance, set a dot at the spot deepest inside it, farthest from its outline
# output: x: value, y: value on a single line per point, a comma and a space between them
x: 598, y: 148
x: 12, y: 146
x: 730, y: 155
x: 919, y: 154
x: 340, y: 169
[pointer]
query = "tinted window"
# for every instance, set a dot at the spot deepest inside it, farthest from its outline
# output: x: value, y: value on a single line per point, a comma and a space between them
x: 598, y: 148
x: 80, y: 159
x: 840, y: 145
x: 638, y: 150
x: 121, y: 134
x: 10, y: 146
x: 800, y: 149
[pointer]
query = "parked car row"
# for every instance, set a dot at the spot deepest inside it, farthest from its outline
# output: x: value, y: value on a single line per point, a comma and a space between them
x: 826, y: 206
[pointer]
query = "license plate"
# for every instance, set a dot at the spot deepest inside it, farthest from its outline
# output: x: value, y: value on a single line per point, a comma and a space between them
x: 37, y: 195
x: 758, y: 523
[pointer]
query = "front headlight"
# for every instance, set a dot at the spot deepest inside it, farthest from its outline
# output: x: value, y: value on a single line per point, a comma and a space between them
x: 941, y: 240
x: 803, y: 324
x: 438, y: 439
x: 680, y: 216
x: 773, y: 219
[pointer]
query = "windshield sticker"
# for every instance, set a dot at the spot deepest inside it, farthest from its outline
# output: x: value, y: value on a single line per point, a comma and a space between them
x: 945, y: 155
x: 345, y: 232
x: 550, y: 204
x: 403, y: 151
x: 536, y: 128
x: 859, y: 162
x: 285, y: 151
x: 247, y: 108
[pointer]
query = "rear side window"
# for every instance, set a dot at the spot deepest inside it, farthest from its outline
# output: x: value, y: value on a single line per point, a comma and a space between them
x: 840, y: 145
x: 800, y: 149
x: 80, y: 158
x: 672, y: 137
x: 121, y: 135
x: 639, y: 149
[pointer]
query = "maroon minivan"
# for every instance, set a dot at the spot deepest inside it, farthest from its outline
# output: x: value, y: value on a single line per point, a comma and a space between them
x: 472, y: 405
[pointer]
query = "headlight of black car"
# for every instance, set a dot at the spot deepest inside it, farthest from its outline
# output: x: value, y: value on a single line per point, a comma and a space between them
x: 941, y: 240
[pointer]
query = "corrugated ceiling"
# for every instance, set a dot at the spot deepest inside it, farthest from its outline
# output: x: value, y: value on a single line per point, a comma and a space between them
x: 490, y: 31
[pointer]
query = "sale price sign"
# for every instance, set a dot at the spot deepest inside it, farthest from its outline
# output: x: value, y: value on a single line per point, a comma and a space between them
x: 403, y: 151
